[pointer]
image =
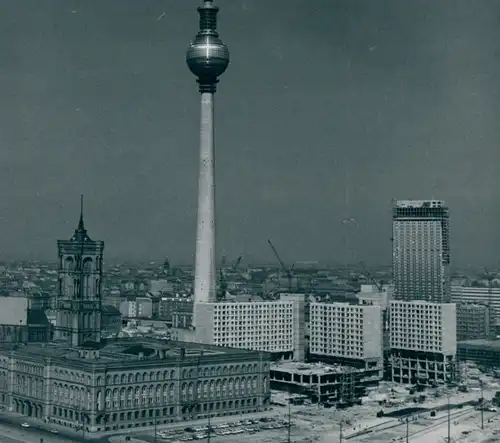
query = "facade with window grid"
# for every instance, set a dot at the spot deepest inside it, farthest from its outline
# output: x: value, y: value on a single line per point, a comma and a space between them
x: 347, y: 334
x: 423, y: 341
x: 484, y: 296
x: 272, y: 326
x: 421, y: 251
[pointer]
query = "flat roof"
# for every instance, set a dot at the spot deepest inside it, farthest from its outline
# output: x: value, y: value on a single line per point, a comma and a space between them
x: 493, y: 345
x: 125, y: 350
x: 294, y: 367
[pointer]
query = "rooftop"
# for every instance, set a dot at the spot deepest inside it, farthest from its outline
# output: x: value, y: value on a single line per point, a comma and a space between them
x: 124, y: 351
x: 309, y: 368
x: 481, y: 343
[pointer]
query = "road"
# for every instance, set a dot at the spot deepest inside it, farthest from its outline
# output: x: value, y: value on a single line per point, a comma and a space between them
x: 12, y: 432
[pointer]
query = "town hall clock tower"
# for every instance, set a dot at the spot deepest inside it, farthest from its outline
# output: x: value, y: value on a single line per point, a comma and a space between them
x: 78, y: 305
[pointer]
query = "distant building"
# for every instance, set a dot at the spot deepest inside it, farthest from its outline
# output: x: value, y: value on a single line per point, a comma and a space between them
x: 484, y: 296
x: 272, y: 326
x: 39, y: 300
x: 111, y: 319
x: 174, y: 304
x: 474, y: 321
x: 182, y: 319
x: 137, y: 307
x: 484, y: 353
x: 423, y: 339
x: 18, y: 324
x: 114, y: 300
x: 160, y: 286
x: 421, y: 251
x: 135, y: 286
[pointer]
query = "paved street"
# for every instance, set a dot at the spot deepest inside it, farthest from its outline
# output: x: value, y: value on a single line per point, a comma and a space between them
x: 12, y: 432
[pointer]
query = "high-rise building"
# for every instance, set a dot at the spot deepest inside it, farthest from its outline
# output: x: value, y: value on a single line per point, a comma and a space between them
x: 422, y: 321
x: 207, y: 58
x: 78, y: 305
x: 421, y: 251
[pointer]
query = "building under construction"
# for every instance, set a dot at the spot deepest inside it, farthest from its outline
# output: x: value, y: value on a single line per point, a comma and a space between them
x: 334, y: 385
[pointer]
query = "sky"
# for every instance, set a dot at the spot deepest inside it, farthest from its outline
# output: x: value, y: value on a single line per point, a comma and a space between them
x: 328, y: 111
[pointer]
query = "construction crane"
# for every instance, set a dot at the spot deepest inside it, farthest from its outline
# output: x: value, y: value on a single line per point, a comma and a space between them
x: 490, y: 276
x: 370, y: 277
x: 221, y: 293
x: 237, y: 263
x: 288, y: 272
x: 222, y: 289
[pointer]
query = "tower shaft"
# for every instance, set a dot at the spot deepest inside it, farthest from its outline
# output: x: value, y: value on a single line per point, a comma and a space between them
x: 207, y: 58
x: 204, y: 281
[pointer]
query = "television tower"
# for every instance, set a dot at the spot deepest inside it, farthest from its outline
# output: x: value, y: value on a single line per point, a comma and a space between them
x: 207, y: 58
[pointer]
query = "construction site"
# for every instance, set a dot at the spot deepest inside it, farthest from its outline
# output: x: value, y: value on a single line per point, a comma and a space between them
x: 329, y: 385
x: 466, y: 413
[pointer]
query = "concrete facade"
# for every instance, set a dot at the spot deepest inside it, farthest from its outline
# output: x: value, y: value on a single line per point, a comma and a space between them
x: 272, y: 326
x: 421, y: 251
x: 474, y: 321
x: 347, y: 334
x: 423, y: 342
x: 484, y: 296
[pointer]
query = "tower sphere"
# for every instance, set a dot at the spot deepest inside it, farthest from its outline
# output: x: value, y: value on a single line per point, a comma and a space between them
x: 207, y: 57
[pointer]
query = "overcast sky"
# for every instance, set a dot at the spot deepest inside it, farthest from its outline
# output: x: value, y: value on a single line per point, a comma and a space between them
x: 386, y: 99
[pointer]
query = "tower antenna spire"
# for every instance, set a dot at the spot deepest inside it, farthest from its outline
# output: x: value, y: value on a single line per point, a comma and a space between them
x: 80, y: 223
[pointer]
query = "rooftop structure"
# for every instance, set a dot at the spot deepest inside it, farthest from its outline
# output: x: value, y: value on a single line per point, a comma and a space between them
x: 293, y: 367
x: 115, y: 353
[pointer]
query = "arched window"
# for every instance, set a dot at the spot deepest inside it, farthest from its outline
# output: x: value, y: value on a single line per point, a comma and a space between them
x: 69, y: 264
x: 108, y: 399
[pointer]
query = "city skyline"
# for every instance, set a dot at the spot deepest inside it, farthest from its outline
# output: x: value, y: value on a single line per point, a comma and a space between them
x: 400, y: 98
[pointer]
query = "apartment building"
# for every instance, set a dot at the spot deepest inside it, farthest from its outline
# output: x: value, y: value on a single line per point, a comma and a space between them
x: 170, y: 306
x: 347, y: 334
x: 423, y: 342
x: 474, y: 321
x: 272, y: 326
x: 137, y: 307
x: 485, y: 296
